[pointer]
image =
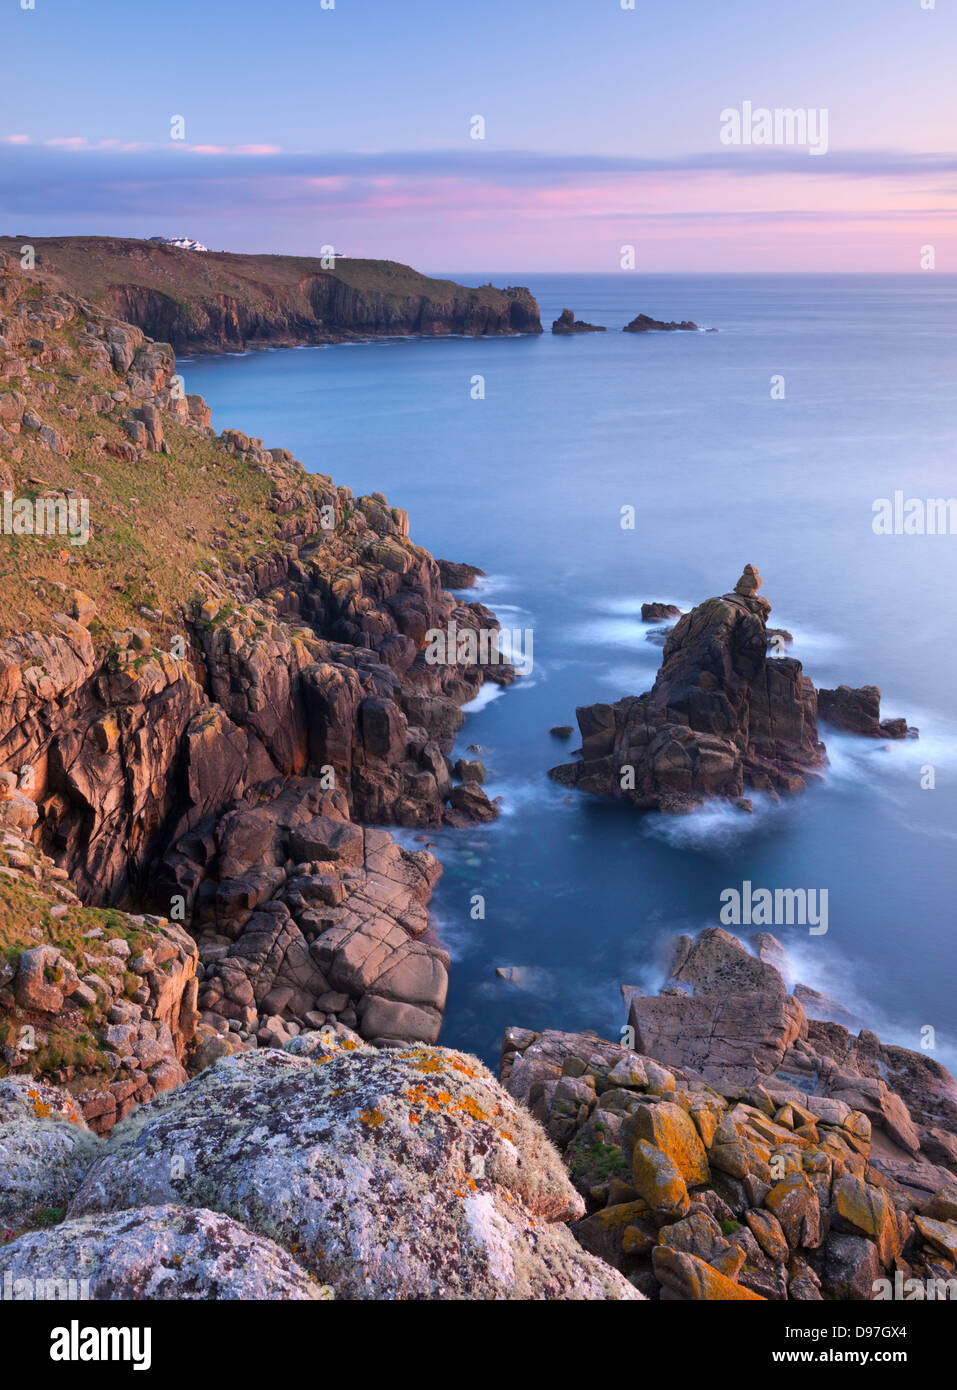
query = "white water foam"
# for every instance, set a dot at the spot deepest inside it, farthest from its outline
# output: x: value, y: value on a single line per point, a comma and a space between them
x: 486, y: 695
x: 718, y: 825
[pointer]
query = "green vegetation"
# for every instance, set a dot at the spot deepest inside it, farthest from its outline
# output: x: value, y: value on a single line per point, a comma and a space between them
x: 94, y: 266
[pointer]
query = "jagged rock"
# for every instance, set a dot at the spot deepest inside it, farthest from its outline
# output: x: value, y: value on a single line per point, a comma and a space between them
x: 567, y: 323
x: 721, y: 715
x: 456, y: 575
x: 385, y: 1173
x: 859, y: 712
x: 644, y: 324
x: 659, y: 612
x: 469, y: 803
x: 155, y: 1252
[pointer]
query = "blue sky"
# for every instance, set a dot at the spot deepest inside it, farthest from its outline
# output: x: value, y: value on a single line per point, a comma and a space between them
x: 351, y: 127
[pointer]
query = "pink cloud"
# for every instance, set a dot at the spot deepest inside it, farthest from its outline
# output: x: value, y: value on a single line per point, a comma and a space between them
x: 258, y: 149
x: 67, y: 141
x: 16, y: 139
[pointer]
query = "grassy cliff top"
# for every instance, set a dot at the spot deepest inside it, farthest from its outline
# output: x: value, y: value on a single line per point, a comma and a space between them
x: 91, y: 265
x: 161, y: 517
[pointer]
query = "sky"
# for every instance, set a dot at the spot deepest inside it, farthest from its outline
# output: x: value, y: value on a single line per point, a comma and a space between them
x: 351, y: 124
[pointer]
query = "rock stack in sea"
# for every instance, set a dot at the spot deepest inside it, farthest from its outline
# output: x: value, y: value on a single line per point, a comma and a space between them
x: 566, y: 323
x: 723, y: 715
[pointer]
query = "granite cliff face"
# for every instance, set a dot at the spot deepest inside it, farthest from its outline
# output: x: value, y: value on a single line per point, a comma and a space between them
x: 220, y: 301
x: 205, y: 697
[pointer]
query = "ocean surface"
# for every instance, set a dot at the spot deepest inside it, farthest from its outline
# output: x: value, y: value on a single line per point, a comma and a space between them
x: 530, y: 482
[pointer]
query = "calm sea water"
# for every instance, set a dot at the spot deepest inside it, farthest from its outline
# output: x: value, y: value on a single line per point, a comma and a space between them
x: 529, y: 483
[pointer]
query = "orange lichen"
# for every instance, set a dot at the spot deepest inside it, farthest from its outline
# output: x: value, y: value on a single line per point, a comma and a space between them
x: 471, y: 1107
x: 373, y: 1118
x: 39, y: 1105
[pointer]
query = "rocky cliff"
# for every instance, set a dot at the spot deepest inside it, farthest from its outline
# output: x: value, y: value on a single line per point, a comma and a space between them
x: 220, y: 301
x: 210, y: 683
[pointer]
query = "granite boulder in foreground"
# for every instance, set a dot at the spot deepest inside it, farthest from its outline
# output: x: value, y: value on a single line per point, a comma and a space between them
x: 165, y: 1252
x: 398, y: 1174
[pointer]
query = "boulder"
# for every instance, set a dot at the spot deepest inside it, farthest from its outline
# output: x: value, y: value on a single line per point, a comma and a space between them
x: 659, y: 612
x: 405, y: 1173
x: 455, y: 575
x: 688, y: 1279
x: 859, y: 712
x: 155, y: 1253
x: 45, y: 1147
x: 671, y: 1129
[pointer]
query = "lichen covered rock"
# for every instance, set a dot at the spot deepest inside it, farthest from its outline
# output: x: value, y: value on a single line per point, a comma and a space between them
x: 45, y: 1146
x: 154, y: 1253
x: 404, y: 1173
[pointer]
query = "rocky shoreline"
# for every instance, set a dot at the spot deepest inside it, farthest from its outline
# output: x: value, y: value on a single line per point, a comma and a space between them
x: 229, y: 760
x: 730, y: 1148
x: 740, y: 1149
x: 218, y: 1006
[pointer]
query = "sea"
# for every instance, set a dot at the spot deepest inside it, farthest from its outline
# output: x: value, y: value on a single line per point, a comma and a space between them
x: 587, y: 475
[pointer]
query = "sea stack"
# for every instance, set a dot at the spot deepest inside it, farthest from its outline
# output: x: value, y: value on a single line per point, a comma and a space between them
x: 723, y: 715
x: 567, y: 323
x: 645, y: 324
